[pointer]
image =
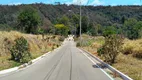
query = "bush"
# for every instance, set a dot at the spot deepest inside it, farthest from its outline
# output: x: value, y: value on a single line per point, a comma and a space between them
x: 61, y: 38
x: 112, y: 47
x: 20, y: 51
x: 78, y: 44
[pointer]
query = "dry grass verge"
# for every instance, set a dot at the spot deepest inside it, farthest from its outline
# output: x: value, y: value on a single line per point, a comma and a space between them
x: 129, y: 61
x: 130, y: 66
x: 38, y: 45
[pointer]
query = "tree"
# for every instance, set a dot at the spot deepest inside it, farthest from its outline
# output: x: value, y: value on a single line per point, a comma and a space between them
x: 138, y: 29
x: 75, y: 22
x: 132, y: 28
x: 91, y: 29
x: 61, y: 29
x: 64, y: 20
x: 29, y: 20
x: 123, y: 20
x: 110, y: 30
x: 99, y: 29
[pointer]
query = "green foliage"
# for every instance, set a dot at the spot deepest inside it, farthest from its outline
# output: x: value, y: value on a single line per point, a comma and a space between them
x: 5, y: 27
x: 132, y: 28
x: 110, y: 30
x: 99, y: 16
x: 29, y: 20
x: 112, y: 47
x: 138, y: 29
x: 20, y: 51
x: 61, y: 29
x: 64, y: 20
x: 40, y: 31
x: 99, y: 29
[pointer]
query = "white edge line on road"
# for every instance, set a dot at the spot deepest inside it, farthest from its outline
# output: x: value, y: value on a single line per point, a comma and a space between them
x: 97, y: 65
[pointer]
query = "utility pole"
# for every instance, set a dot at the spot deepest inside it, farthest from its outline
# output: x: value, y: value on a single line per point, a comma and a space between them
x: 80, y: 24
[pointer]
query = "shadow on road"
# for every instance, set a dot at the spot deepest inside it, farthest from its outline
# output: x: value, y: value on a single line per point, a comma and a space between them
x: 99, y: 65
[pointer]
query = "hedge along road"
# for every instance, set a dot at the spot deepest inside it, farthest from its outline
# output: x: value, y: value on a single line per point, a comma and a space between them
x: 66, y: 63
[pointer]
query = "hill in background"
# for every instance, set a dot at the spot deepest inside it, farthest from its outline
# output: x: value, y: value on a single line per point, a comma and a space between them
x: 103, y: 15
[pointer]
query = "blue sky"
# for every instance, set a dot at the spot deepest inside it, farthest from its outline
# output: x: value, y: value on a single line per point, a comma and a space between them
x: 84, y: 2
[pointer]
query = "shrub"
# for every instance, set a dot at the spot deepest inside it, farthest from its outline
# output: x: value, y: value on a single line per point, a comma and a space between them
x: 78, y: 44
x: 20, y: 51
x: 61, y: 38
x: 112, y: 47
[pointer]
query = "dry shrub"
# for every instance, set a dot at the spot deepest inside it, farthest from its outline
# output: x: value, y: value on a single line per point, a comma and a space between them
x: 112, y: 47
x: 61, y: 38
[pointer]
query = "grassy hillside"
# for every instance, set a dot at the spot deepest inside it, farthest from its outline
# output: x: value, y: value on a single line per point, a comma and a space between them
x: 38, y: 45
x: 128, y: 61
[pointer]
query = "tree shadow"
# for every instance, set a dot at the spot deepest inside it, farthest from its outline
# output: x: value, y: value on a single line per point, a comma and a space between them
x: 99, y: 65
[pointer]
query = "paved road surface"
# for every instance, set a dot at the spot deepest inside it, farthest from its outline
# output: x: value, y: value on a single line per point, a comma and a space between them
x: 66, y: 63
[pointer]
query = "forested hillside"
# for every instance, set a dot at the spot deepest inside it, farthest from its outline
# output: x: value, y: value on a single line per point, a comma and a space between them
x: 100, y: 16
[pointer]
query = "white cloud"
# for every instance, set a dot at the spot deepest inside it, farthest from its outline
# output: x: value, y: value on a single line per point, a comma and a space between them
x: 83, y: 2
x: 136, y: 4
x: 17, y: 3
x: 97, y: 2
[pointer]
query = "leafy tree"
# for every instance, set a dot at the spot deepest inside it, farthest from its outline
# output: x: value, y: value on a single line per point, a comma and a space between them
x: 99, y: 29
x: 123, y: 20
x: 138, y: 29
x: 110, y: 30
x: 29, y: 20
x: 131, y: 28
x: 64, y: 20
x: 61, y: 29
x: 84, y: 27
x: 75, y: 22
x: 91, y: 29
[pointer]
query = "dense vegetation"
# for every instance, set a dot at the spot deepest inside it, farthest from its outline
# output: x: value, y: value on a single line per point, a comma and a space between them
x: 125, y: 20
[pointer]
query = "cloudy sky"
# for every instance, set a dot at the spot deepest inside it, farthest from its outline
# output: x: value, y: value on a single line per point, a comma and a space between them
x: 84, y: 2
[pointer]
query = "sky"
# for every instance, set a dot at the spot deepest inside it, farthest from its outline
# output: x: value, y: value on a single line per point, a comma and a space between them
x: 83, y: 2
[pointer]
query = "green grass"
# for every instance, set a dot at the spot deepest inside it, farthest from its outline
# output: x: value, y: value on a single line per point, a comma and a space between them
x: 6, y: 63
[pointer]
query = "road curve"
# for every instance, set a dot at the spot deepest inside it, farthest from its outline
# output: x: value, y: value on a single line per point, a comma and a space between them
x: 66, y: 63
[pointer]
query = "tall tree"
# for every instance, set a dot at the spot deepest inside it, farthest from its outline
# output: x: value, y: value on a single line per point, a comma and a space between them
x: 29, y: 19
x: 130, y: 30
x: 61, y: 29
x: 109, y: 30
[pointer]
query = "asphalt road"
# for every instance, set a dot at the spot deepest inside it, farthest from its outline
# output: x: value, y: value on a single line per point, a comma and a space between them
x: 66, y: 63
